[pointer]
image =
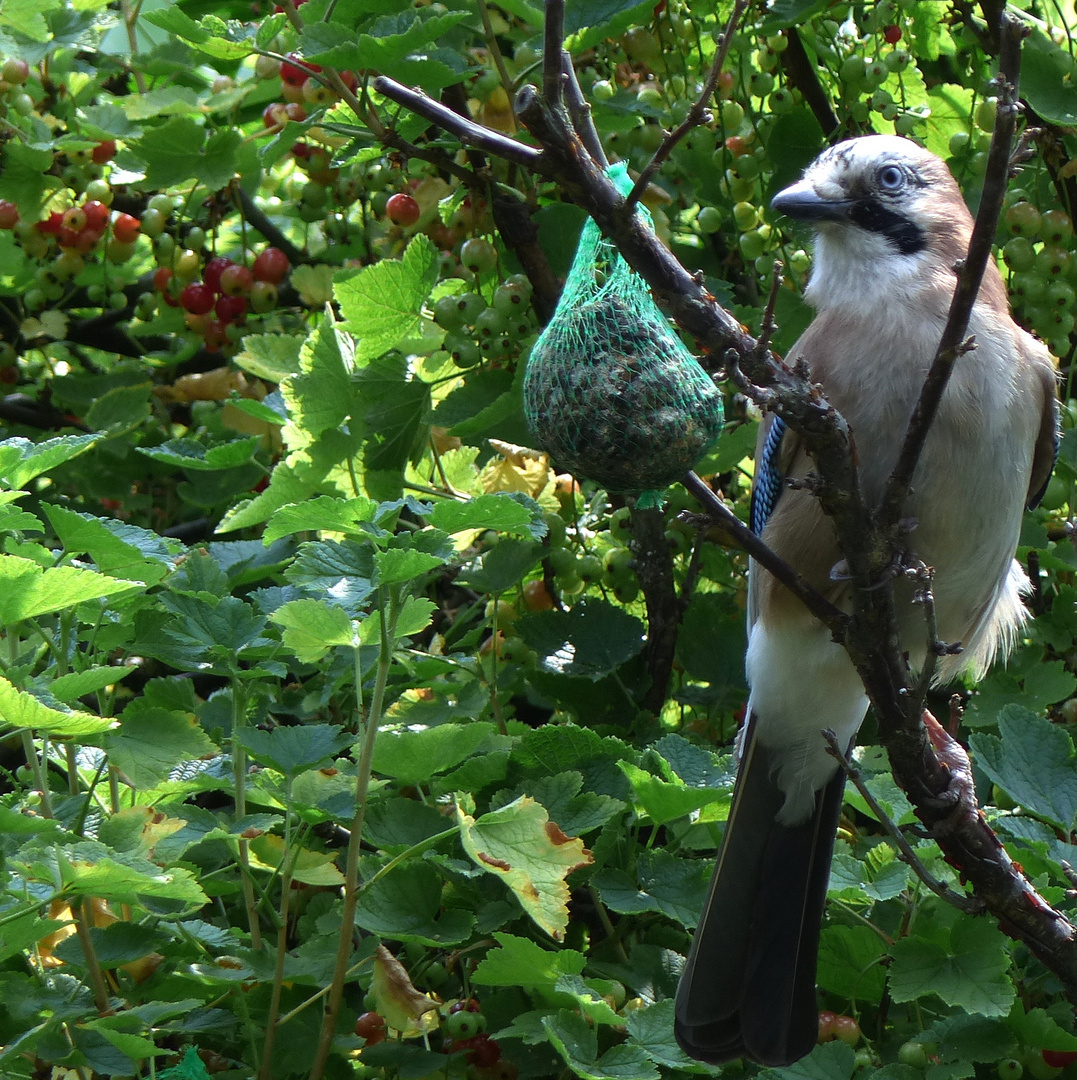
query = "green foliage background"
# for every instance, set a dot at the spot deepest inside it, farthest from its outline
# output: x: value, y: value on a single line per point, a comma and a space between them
x: 301, y: 614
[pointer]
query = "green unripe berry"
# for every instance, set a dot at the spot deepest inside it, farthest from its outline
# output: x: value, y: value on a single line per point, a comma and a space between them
x: 1010, y: 1069
x: 746, y: 216
x: 1019, y: 254
x: 959, y: 143
x: 913, y: 1054
x: 602, y: 90
x: 1023, y: 219
x: 732, y: 115
x: 898, y: 60
x: 709, y: 219
x: 851, y: 72
x: 620, y: 525
x: 760, y: 84
x: 985, y: 114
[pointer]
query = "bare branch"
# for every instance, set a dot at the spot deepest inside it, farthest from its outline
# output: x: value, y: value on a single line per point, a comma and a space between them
x: 553, y: 44
x: 467, y: 131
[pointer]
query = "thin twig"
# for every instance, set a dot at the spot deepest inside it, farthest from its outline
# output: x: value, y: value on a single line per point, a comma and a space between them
x: 579, y: 108
x: 969, y: 904
x: 553, y: 43
x: 467, y: 131
x: 698, y: 114
x: 952, y: 344
x: 495, y: 50
x: 830, y: 616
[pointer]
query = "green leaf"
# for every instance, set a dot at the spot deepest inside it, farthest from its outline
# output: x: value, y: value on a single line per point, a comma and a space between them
x: 293, y: 749
x: 272, y: 357
x: 403, y: 564
x: 150, y: 742
x: 977, y: 1038
x: 322, y: 395
x: 24, y: 178
x: 414, y: 617
x: 501, y: 566
x: 323, y: 514
x: 396, y: 408
x: 651, y: 1029
x: 1047, y: 79
x: 22, y: 460
x: 851, y: 962
x: 27, y: 17
x: 195, y: 455
x: 180, y: 151
x: 592, y: 640
x: 27, y: 590
x: 313, y: 627
x: 382, y: 303
x: 412, y: 757
x: 176, y: 22
x: 576, y: 1041
x: 120, y: 550
x: 405, y: 905
x: 521, y: 962
x: 121, y: 409
x: 664, y: 802
x: 966, y: 966
x: 518, y: 844
x: 127, y: 882
x: 69, y: 688
x: 828, y: 1061
x: 1033, y: 761
x: 501, y: 511
x: 663, y: 882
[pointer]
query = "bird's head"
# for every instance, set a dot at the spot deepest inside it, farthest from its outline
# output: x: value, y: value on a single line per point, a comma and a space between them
x: 887, y: 214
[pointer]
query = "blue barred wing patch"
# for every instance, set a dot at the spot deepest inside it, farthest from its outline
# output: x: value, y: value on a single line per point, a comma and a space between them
x: 769, y: 481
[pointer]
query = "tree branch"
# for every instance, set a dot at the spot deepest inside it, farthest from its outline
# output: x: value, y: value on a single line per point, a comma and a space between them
x: 929, y: 769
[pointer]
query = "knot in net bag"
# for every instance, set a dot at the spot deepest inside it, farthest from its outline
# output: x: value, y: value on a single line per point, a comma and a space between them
x: 610, y: 390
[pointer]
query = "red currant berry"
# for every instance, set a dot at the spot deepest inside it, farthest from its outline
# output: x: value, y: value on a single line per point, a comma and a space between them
x: 271, y: 265
x: 104, y: 152
x: 52, y: 224
x: 847, y: 1029
x: 484, y: 1051
x: 162, y: 278
x: 9, y: 375
x: 126, y: 228
x: 1059, y: 1059
x: 230, y: 308
x: 236, y: 280
x: 197, y: 298
x: 402, y: 209
x: 892, y: 34
x: 215, y: 335
x: 96, y: 214
x: 216, y: 266
x: 274, y: 117
x: 294, y: 75
x: 468, y: 1004
x: 371, y: 1027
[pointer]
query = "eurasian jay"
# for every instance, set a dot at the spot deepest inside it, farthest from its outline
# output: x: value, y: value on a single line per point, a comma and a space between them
x: 890, y: 226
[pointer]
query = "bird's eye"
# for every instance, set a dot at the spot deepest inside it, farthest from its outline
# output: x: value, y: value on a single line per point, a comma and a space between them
x: 891, y: 178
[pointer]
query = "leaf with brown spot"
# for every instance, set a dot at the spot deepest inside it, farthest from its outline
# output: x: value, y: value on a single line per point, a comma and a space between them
x: 531, y: 854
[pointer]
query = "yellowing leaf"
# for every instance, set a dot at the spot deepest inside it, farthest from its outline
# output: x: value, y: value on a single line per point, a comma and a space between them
x: 532, y: 856
x: 405, y: 1009
x: 310, y: 867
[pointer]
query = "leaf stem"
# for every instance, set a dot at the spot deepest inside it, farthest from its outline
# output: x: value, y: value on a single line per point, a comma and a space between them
x: 388, y: 611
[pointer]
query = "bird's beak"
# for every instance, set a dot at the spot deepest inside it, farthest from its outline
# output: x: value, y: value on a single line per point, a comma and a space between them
x: 803, y: 202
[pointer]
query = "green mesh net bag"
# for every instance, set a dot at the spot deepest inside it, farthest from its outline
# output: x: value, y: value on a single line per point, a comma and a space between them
x: 610, y: 390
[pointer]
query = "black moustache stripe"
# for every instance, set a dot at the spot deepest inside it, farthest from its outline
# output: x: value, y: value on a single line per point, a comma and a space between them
x: 904, y: 234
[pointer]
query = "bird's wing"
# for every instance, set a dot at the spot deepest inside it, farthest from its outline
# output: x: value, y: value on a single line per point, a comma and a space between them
x: 1046, y: 452
x: 769, y: 472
